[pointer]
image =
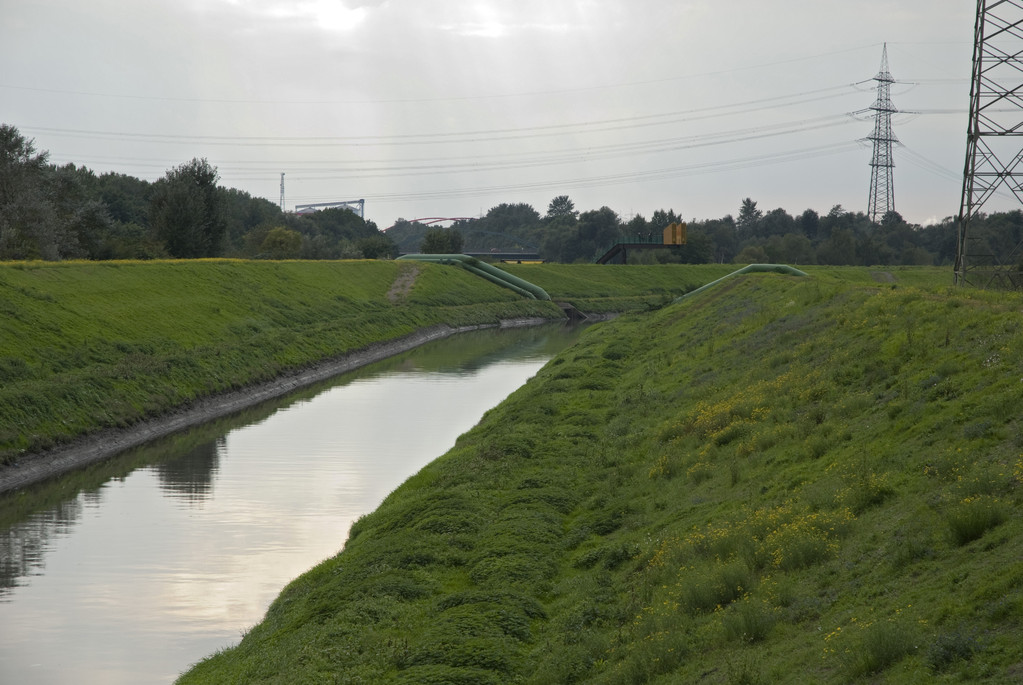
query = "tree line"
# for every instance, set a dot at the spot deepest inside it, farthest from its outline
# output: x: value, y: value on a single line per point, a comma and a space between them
x: 838, y: 237
x: 56, y: 212
x: 68, y: 212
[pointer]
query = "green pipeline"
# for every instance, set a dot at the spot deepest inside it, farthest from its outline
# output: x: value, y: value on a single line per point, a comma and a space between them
x: 751, y: 269
x: 484, y: 270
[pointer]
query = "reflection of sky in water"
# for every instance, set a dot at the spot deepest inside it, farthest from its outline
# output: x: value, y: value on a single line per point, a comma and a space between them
x: 139, y: 586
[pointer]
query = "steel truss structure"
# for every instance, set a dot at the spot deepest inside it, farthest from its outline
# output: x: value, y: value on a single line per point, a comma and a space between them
x: 994, y: 142
x: 882, y: 164
x: 357, y: 206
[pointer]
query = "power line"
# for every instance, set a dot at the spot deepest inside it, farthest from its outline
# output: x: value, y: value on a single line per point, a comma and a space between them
x: 628, y: 177
x: 517, y: 160
x: 597, y: 126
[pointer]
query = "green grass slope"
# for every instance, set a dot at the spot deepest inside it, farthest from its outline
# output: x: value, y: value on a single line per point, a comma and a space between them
x: 778, y: 480
x: 613, y: 288
x: 85, y: 346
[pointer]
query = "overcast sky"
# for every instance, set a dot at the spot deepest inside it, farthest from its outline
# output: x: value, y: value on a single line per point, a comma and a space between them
x: 445, y: 108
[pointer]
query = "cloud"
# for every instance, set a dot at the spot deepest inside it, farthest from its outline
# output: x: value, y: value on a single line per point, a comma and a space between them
x: 326, y: 15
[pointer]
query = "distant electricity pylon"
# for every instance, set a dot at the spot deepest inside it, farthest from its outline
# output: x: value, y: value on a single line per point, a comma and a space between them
x: 282, y: 191
x: 994, y: 146
x: 882, y: 186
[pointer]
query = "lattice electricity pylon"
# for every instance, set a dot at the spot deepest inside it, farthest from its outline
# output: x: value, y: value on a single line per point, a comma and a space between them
x: 882, y: 164
x: 994, y: 142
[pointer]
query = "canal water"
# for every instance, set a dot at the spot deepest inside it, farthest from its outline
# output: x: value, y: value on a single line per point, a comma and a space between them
x: 133, y: 569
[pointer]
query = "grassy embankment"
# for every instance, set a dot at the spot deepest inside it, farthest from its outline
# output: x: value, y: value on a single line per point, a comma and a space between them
x: 96, y: 345
x: 86, y: 346
x: 779, y: 480
x: 595, y: 288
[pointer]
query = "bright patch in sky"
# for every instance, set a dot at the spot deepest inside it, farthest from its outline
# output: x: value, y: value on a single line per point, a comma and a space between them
x: 329, y: 15
x: 333, y: 16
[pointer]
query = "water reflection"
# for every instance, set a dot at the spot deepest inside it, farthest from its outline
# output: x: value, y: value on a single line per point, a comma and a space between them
x: 23, y: 546
x: 189, y: 476
x: 133, y: 569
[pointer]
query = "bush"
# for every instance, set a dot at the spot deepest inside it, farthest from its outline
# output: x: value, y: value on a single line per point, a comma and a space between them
x: 951, y: 647
x: 700, y: 472
x: 446, y: 675
x: 880, y: 646
x: 667, y: 467
x: 715, y: 587
x: 660, y: 647
x: 749, y: 621
x: 745, y: 672
x: 511, y: 569
x: 972, y: 517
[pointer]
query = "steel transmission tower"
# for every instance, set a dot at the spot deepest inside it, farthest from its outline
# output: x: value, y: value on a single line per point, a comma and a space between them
x: 882, y: 185
x: 994, y: 146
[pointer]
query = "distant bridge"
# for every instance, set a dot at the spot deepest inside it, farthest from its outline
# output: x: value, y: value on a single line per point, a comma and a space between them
x: 671, y: 238
x: 530, y: 253
x: 505, y: 256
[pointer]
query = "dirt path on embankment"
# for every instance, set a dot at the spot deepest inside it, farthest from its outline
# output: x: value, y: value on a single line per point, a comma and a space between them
x: 104, y: 444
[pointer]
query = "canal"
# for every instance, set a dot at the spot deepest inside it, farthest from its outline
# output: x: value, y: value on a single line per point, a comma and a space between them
x: 133, y: 569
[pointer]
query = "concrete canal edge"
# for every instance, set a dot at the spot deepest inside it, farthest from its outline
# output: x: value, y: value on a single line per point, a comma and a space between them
x: 106, y: 443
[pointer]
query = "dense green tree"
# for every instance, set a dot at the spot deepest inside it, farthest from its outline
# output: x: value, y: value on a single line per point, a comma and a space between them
x: 637, y: 225
x: 561, y: 207
x: 776, y: 222
x: 891, y: 218
x: 28, y: 222
x: 441, y: 241
x: 126, y: 198
x: 748, y: 223
x: 186, y: 211
x: 336, y: 223
x: 599, y: 225
x: 939, y: 239
x: 129, y: 241
x: 335, y: 233
x: 281, y: 243
x: 836, y: 218
x: 406, y: 235
x: 242, y: 213
x: 661, y: 219
x: 377, y: 247
x: 321, y: 247
x: 580, y: 241
x: 558, y: 235
x: 722, y: 234
x: 871, y: 250
x: 840, y: 248
x: 751, y: 254
x: 1001, y: 233
x: 809, y: 223
x: 511, y: 218
x: 699, y: 248
x: 791, y: 248
x: 348, y: 249
x: 595, y: 231
x: 557, y: 244
x: 515, y: 226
